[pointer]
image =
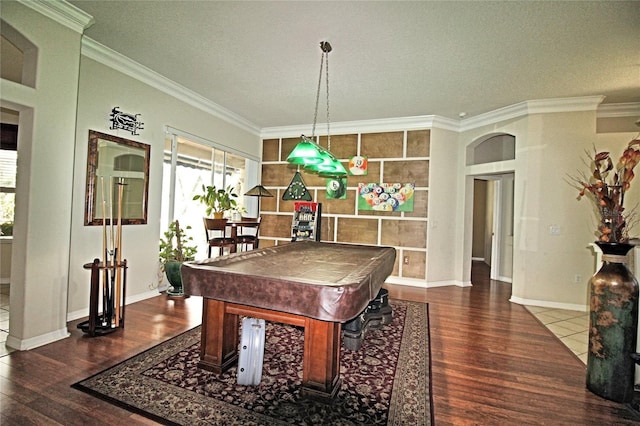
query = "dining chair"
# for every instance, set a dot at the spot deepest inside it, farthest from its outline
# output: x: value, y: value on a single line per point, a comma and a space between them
x: 250, y: 237
x: 216, y: 232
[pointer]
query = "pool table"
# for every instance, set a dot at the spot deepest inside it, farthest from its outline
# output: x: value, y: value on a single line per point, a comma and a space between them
x: 314, y: 285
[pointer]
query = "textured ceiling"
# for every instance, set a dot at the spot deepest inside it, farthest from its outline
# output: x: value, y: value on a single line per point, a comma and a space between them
x: 390, y: 59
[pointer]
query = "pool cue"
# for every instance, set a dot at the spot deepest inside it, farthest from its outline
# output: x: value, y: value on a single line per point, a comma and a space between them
x: 112, y: 288
x: 112, y: 253
x: 105, y: 271
x: 119, y: 244
x: 111, y: 213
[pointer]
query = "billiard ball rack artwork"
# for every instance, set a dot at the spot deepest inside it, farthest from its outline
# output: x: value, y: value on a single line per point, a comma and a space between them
x: 306, y: 221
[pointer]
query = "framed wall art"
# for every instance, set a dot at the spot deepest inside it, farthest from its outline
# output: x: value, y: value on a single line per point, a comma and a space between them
x: 386, y: 197
x: 337, y: 189
x: 358, y: 165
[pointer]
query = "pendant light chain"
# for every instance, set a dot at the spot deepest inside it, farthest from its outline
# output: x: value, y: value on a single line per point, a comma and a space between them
x: 308, y: 153
x: 324, y: 62
x: 326, y: 57
x: 315, y: 114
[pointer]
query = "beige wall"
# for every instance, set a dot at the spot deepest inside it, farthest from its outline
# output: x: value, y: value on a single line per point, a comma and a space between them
x: 444, y: 239
x: 549, y: 148
x: 48, y: 283
x: 102, y: 88
x: 40, y: 264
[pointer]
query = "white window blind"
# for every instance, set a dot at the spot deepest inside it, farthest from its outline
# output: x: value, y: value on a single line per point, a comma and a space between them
x: 8, y: 162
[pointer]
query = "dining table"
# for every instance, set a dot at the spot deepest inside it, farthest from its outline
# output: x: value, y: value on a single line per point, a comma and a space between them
x: 235, y: 224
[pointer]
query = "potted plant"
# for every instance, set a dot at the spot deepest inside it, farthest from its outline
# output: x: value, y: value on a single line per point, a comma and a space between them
x: 217, y: 200
x: 176, y: 247
x: 237, y: 212
x: 6, y: 229
x: 606, y: 186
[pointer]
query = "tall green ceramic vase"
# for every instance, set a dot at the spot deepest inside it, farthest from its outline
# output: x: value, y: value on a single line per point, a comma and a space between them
x: 613, y: 323
x: 172, y: 270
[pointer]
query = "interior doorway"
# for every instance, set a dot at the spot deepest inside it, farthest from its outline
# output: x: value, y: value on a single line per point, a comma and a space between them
x: 482, y: 221
x: 490, y: 195
x: 492, y: 241
x: 9, y: 120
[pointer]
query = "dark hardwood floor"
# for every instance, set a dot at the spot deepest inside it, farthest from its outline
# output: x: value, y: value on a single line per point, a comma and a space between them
x: 493, y: 364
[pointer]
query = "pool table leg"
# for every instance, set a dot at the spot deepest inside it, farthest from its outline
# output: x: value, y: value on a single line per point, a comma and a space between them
x: 321, y: 362
x: 219, y: 341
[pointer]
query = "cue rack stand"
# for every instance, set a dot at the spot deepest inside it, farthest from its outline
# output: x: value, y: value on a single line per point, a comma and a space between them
x: 112, y: 316
x: 113, y: 270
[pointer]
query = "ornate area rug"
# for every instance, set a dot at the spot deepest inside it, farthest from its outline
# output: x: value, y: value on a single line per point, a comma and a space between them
x: 387, y: 381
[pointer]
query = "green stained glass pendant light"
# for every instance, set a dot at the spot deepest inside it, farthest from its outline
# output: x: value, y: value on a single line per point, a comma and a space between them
x: 307, y: 153
x: 329, y: 167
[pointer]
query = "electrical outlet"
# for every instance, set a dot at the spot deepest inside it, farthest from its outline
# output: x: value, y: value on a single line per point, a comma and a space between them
x: 405, y: 260
x: 577, y: 278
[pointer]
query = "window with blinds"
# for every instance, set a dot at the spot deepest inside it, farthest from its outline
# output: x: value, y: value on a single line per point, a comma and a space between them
x: 8, y: 170
x: 190, y: 163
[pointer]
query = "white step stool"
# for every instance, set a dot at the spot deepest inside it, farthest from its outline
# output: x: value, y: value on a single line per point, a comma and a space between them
x: 251, y: 352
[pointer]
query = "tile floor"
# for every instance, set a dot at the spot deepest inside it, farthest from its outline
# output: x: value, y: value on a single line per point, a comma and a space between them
x: 571, y: 327
x: 4, y: 318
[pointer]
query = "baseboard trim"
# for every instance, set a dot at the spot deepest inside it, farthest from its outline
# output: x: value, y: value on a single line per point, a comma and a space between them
x: 84, y: 313
x: 34, y: 342
x: 424, y: 284
x: 548, y: 304
x: 450, y: 282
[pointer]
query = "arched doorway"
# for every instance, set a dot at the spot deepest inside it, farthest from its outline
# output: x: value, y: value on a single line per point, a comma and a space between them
x: 491, y: 234
x: 19, y: 65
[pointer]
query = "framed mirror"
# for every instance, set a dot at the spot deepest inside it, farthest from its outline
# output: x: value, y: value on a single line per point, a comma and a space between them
x: 117, y: 180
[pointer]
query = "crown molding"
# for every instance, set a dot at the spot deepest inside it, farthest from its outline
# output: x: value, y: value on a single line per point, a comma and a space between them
x: 365, y: 126
x: 444, y: 123
x: 62, y: 12
x: 536, y: 106
x: 495, y: 116
x: 119, y: 62
x: 545, y: 106
x: 100, y: 53
x: 630, y: 109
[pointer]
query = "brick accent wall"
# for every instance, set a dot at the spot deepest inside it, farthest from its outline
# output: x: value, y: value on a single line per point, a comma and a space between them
x: 401, y: 156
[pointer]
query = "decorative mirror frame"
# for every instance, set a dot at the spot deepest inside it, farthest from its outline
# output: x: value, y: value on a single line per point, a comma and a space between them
x: 94, y: 189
